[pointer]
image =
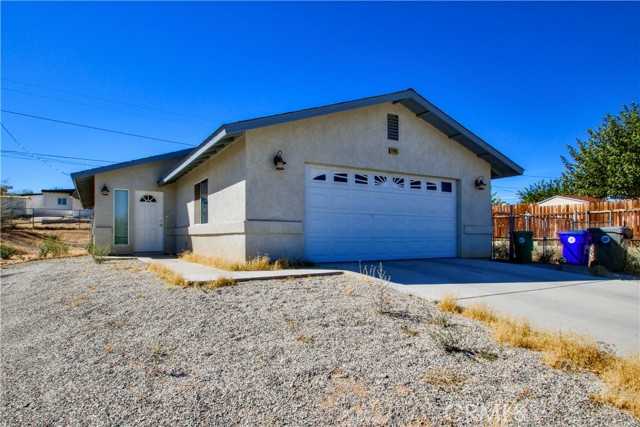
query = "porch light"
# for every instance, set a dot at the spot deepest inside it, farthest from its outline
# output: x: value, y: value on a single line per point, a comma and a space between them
x: 105, y: 190
x: 480, y: 183
x: 279, y: 162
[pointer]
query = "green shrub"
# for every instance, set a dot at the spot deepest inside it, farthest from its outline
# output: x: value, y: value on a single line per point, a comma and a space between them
x: 598, y: 270
x: 549, y: 256
x: 53, y: 245
x: 633, y: 260
x: 100, y: 253
x: 7, y: 251
x: 501, y: 249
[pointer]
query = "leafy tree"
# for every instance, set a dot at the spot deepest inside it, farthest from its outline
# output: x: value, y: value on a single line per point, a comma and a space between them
x: 607, y: 164
x: 496, y: 200
x: 5, y: 188
x: 542, y: 190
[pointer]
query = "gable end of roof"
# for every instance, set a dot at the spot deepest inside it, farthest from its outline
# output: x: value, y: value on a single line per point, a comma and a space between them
x: 501, y: 166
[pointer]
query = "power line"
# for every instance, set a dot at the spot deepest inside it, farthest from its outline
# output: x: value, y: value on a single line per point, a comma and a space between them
x: 30, y: 153
x: 504, y: 189
x: 62, y: 157
x: 95, y: 128
x: 540, y: 176
x: 24, y: 156
x: 101, y: 99
x: 96, y: 106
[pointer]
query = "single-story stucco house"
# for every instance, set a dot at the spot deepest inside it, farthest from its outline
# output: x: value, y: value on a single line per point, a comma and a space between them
x: 380, y: 178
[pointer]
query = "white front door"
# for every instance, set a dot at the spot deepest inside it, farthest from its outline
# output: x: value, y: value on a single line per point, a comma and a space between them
x: 149, y: 224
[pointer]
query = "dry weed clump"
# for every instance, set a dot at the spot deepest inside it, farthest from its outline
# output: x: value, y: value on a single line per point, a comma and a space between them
x: 563, y: 351
x: 376, y: 276
x: 449, y: 303
x: 623, y: 378
x: 445, y: 378
x: 220, y: 282
x: 259, y: 263
x: 479, y: 311
x: 168, y: 275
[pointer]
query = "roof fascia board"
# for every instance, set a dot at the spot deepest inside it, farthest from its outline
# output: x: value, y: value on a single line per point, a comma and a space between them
x: 212, y: 140
x: 243, y: 126
x: 464, y: 131
x: 317, y: 111
x: 109, y: 168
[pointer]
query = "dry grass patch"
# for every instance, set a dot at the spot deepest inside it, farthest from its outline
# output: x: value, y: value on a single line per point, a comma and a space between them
x: 445, y: 378
x: 260, y: 263
x: 176, y: 279
x: 126, y: 268
x: 307, y: 339
x: 563, y: 351
x: 623, y: 378
x: 480, y: 311
x: 220, y: 282
x: 76, y: 300
x: 168, y: 275
x: 449, y: 303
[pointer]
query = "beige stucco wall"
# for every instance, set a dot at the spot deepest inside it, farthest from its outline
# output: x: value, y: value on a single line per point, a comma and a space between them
x: 143, y: 178
x: 356, y: 139
x: 223, y: 235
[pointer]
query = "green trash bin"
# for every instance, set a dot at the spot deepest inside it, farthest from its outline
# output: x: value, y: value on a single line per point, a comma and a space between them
x: 608, y: 249
x: 523, y: 246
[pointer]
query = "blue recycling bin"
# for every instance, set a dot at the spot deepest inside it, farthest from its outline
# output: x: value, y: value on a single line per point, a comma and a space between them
x: 575, y: 246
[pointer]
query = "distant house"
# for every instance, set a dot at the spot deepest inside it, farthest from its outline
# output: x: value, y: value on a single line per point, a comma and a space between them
x: 55, y: 202
x: 561, y: 200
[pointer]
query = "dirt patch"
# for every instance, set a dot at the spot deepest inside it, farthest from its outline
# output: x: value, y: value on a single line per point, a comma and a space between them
x: 27, y: 240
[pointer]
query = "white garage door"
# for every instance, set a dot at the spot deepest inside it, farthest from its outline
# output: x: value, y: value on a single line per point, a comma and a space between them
x: 353, y: 215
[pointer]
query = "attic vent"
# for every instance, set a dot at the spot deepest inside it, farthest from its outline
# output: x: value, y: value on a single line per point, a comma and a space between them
x: 392, y: 127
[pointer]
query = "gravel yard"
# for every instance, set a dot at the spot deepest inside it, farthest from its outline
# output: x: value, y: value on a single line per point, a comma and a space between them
x: 88, y: 344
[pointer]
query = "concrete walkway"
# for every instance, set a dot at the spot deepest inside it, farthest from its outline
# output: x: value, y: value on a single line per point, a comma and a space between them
x: 549, y: 298
x: 199, y: 273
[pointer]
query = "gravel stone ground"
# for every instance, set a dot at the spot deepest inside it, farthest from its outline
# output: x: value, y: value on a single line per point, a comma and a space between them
x: 88, y: 344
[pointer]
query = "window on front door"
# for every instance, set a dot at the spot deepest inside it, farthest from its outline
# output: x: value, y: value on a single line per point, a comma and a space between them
x: 200, y: 193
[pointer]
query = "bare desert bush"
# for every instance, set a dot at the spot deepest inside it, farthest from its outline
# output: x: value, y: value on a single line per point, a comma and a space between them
x: 53, y: 245
x: 375, y: 276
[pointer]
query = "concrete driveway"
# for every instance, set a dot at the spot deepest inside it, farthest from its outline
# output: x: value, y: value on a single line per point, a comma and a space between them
x: 549, y: 298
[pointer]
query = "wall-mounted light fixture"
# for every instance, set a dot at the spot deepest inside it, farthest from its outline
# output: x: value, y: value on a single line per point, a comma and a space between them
x: 278, y: 161
x: 105, y: 190
x: 480, y: 183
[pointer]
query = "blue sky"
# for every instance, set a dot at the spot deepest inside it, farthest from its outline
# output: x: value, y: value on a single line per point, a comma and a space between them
x: 528, y: 78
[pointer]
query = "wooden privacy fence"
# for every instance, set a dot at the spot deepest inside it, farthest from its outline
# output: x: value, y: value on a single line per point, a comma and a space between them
x: 545, y: 221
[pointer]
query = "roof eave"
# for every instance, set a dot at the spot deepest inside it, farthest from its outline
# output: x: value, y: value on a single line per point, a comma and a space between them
x: 501, y: 166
